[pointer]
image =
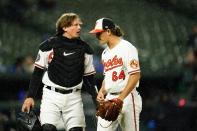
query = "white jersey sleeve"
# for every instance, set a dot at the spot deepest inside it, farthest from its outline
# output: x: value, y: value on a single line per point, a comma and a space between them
x: 43, y: 59
x: 131, y: 60
x: 89, y: 65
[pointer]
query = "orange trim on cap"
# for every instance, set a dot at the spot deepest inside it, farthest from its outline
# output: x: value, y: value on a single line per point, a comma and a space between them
x: 96, y: 30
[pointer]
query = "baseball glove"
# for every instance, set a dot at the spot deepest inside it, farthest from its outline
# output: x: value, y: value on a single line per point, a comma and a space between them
x: 109, y: 110
x: 28, y: 122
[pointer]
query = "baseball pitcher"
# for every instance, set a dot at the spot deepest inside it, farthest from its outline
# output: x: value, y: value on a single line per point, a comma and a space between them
x: 123, y: 103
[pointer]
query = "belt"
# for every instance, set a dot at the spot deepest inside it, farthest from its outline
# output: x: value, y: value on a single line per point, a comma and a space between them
x: 115, y: 93
x: 62, y: 91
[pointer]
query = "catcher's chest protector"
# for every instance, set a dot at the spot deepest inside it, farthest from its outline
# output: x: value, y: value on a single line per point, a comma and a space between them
x: 67, y: 67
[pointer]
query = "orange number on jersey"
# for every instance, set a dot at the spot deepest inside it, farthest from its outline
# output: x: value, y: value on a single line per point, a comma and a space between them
x: 122, y: 75
x: 115, y: 77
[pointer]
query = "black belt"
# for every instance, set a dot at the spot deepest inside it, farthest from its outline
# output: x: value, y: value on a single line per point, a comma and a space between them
x: 62, y: 91
x: 115, y: 93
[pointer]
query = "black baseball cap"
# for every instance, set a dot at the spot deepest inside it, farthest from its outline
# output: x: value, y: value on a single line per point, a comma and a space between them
x: 103, y: 24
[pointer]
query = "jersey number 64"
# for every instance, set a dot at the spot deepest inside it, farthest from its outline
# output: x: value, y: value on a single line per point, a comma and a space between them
x: 115, y: 76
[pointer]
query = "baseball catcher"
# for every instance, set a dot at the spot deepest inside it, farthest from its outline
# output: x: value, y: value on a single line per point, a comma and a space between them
x: 109, y: 110
x: 64, y: 63
x: 28, y: 122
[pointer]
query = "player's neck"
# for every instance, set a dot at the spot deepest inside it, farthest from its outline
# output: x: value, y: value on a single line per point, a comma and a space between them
x: 113, y: 41
x: 67, y: 35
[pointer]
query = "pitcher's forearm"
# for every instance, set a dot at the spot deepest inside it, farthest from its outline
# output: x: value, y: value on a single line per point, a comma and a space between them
x: 133, y: 79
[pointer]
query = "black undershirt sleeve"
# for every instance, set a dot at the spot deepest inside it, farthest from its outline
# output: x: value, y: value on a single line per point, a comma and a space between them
x: 36, y: 80
x: 89, y: 85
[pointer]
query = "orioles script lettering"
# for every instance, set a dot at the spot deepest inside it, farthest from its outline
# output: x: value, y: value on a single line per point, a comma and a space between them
x: 112, y: 63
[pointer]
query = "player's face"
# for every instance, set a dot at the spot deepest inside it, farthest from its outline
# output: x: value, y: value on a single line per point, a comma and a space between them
x: 102, y: 37
x: 74, y: 30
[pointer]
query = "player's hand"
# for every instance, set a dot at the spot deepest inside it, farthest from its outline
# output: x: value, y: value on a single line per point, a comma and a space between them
x: 100, y: 97
x: 28, y: 103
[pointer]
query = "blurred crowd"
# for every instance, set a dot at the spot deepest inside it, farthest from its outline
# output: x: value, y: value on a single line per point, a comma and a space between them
x: 174, y: 108
x: 15, y: 10
x: 168, y: 106
x: 20, y: 65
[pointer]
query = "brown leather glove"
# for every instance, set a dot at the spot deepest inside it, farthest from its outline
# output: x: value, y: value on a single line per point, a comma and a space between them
x: 109, y: 110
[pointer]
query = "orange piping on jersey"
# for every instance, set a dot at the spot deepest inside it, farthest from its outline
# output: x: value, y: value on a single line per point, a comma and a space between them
x: 90, y: 73
x: 112, y: 67
x: 133, y: 71
x: 134, y: 112
x: 39, y: 66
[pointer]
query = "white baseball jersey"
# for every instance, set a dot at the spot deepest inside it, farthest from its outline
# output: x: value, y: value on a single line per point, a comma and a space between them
x: 119, y: 63
x: 44, y: 58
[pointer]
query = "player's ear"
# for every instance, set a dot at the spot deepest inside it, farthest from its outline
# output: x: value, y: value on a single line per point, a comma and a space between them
x: 64, y: 29
x: 108, y: 31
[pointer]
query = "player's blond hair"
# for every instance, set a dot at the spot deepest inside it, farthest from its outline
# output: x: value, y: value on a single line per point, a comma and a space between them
x: 117, y: 31
x: 65, y: 20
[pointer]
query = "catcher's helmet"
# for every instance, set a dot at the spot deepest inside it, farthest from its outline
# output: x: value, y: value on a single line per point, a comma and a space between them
x: 28, y: 122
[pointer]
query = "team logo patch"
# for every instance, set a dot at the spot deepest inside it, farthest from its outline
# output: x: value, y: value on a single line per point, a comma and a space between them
x: 38, y: 58
x: 134, y: 63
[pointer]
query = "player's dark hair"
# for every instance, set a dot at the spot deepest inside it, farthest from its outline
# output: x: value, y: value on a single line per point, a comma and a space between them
x: 65, y: 20
x: 117, y: 31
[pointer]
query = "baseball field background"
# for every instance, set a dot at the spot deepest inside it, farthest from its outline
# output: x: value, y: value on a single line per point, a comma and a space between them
x: 160, y: 30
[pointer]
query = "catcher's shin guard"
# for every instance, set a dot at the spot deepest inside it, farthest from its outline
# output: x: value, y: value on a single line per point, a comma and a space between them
x: 48, y: 127
x: 76, y: 129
